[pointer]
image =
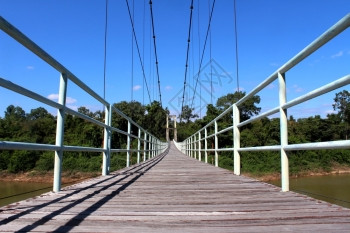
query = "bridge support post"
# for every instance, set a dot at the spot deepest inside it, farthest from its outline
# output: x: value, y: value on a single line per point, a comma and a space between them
x: 138, y: 146
x: 128, y: 145
x: 205, y: 145
x: 107, y: 141
x: 236, y: 141
x: 216, y: 144
x: 199, y: 147
x: 283, y: 132
x: 144, y: 146
x: 60, y: 133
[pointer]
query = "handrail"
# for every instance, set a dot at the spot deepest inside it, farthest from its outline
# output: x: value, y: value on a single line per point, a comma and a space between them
x: 189, y: 145
x: 152, y: 146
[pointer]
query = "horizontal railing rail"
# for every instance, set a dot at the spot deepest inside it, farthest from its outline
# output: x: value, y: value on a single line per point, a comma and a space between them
x: 193, y: 144
x: 148, y: 145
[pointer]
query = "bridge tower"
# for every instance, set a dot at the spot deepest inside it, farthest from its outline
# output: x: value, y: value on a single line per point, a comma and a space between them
x: 172, y: 117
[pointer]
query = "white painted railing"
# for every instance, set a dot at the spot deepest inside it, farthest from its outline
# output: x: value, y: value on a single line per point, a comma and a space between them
x: 193, y: 145
x: 152, y: 146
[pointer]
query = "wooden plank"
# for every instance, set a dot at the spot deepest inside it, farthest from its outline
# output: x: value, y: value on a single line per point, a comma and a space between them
x: 173, y: 193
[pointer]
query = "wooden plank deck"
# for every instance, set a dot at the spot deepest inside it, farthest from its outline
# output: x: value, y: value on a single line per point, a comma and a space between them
x: 173, y: 193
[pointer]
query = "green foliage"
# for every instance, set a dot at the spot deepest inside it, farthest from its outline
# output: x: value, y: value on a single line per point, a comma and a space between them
x: 187, y: 114
x: 45, y: 161
x: 22, y: 160
x: 39, y: 126
x: 85, y: 162
x: 266, y: 132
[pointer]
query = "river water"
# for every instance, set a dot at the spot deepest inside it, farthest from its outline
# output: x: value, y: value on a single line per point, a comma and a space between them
x: 11, y: 192
x: 332, y: 188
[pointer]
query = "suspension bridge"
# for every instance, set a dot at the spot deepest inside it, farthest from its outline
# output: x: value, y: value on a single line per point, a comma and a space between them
x: 168, y: 189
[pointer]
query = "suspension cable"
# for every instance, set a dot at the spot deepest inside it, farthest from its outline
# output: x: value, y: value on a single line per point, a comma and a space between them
x: 132, y: 54
x: 186, y: 66
x: 138, y: 49
x: 236, y: 41
x: 155, y: 51
x: 143, y: 49
x: 199, y: 54
x: 210, y: 62
x: 205, y: 43
x: 105, y: 53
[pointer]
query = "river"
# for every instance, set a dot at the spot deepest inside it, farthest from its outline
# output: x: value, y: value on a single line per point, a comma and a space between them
x: 13, y: 191
x: 331, y: 188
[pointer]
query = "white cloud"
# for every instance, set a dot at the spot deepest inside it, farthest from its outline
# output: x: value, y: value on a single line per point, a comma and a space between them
x: 168, y: 88
x: 297, y: 89
x: 69, y: 100
x: 331, y: 111
x: 30, y: 67
x: 136, y: 88
x: 339, y: 54
x: 271, y: 86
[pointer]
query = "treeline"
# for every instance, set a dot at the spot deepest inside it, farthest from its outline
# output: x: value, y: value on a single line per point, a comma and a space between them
x: 266, y: 132
x: 39, y: 126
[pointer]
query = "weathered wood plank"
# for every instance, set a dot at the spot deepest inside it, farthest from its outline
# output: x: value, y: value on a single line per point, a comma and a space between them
x: 173, y: 193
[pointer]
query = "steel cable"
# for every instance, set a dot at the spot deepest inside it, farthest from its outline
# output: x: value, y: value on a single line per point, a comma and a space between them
x: 138, y: 49
x: 203, y: 52
x: 155, y: 51
x: 187, y: 53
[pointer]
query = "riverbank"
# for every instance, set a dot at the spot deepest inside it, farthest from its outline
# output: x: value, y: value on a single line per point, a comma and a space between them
x: 335, y: 170
x: 46, y: 177
x: 73, y: 177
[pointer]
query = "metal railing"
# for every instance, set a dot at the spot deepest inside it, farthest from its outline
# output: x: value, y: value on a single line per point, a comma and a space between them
x: 152, y: 146
x: 193, y: 144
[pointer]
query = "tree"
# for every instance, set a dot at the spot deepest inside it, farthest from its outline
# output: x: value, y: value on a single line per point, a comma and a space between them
x: 247, y: 109
x: 14, y: 113
x: 187, y: 114
x: 155, y: 119
x: 342, y: 104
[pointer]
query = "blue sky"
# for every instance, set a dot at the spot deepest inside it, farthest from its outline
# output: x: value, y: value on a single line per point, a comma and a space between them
x: 270, y: 32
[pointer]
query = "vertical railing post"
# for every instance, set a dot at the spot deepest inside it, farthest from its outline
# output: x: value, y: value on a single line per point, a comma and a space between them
x: 128, y: 145
x: 106, y: 141
x: 155, y: 147
x: 191, y: 147
x: 186, y: 147
x: 205, y: 145
x: 149, y: 146
x: 216, y: 145
x: 195, y: 145
x: 152, y: 147
x: 60, y: 133
x: 158, y: 147
x: 236, y: 141
x: 144, y: 146
x: 199, y: 147
x: 138, y: 146
x: 283, y: 132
